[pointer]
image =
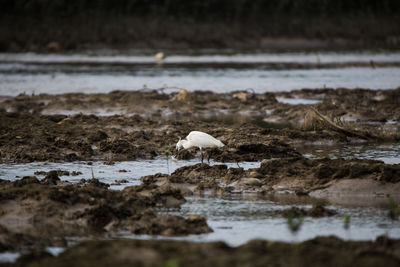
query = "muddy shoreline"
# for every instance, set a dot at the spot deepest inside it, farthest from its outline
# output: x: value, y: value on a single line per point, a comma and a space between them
x: 132, y: 125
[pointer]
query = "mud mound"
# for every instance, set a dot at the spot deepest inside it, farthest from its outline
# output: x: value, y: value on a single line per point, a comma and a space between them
x: 66, y: 209
x: 320, y: 171
x: 316, y: 211
x: 286, y: 175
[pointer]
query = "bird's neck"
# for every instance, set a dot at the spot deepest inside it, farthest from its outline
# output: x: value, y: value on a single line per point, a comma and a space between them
x: 186, y: 144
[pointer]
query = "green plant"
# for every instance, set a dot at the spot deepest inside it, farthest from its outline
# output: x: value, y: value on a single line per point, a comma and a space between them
x: 167, y: 152
x: 394, y: 209
x: 294, y: 222
x: 346, y: 221
x: 172, y: 263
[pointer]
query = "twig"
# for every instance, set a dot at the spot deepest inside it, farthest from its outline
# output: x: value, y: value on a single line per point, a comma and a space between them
x: 338, y: 128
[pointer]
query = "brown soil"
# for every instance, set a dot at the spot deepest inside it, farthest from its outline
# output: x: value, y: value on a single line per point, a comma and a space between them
x: 283, y: 175
x: 146, y: 123
x: 316, y: 211
x: 321, y: 251
x: 35, y: 214
x: 38, y: 213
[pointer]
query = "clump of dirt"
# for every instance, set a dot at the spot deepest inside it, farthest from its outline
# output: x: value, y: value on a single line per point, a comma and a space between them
x: 48, y: 210
x: 320, y: 251
x: 316, y: 211
x: 58, y: 172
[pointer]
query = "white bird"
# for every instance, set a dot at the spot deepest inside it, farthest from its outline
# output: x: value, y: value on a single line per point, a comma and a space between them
x: 200, y: 140
x: 159, y: 57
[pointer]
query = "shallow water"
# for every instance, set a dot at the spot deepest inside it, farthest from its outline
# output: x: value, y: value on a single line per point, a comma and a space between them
x: 298, y: 101
x: 239, y: 219
x: 106, y: 71
x: 9, y: 256
x: 131, y: 171
x: 388, y: 153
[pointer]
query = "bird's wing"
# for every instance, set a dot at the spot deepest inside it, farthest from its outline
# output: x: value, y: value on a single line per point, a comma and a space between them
x: 202, y: 139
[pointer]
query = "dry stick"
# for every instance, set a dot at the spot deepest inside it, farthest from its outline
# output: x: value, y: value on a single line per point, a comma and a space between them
x: 339, y: 128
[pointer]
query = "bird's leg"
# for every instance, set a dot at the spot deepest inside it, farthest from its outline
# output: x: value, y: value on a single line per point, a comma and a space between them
x: 202, y: 156
x: 208, y: 157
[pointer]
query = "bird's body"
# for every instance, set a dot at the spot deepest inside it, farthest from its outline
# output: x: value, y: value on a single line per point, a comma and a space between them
x: 159, y: 57
x: 200, y: 140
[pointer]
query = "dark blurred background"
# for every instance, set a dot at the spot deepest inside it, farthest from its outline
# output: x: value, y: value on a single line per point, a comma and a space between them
x: 37, y: 25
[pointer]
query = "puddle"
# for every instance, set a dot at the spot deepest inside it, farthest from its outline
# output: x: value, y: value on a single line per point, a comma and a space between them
x: 237, y: 220
x: 55, y: 251
x: 298, y: 101
x: 9, y: 257
x: 130, y: 171
x: 388, y: 153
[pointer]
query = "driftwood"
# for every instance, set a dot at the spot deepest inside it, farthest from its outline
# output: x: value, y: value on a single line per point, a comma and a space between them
x: 334, y: 126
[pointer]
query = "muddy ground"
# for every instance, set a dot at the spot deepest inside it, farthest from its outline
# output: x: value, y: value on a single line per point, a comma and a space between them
x: 35, y: 214
x: 322, y: 251
x: 144, y: 124
x: 40, y: 213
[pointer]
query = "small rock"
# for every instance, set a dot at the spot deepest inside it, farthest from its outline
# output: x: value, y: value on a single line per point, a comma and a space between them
x: 51, y: 178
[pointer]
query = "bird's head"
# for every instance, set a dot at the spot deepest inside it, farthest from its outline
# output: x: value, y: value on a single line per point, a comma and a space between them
x: 179, y: 145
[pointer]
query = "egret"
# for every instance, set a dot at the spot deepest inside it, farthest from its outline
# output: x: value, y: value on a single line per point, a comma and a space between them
x: 200, y: 140
x: 159, y: 57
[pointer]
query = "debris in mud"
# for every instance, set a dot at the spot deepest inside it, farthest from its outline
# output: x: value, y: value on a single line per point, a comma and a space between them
x: 318, y: 119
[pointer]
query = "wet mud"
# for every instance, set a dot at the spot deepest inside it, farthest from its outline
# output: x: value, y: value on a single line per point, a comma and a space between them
x: 321, y: 251
x: 144, y: 124
x: 297, y: 175
x: 35, y: 214
x: 39, y: 213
